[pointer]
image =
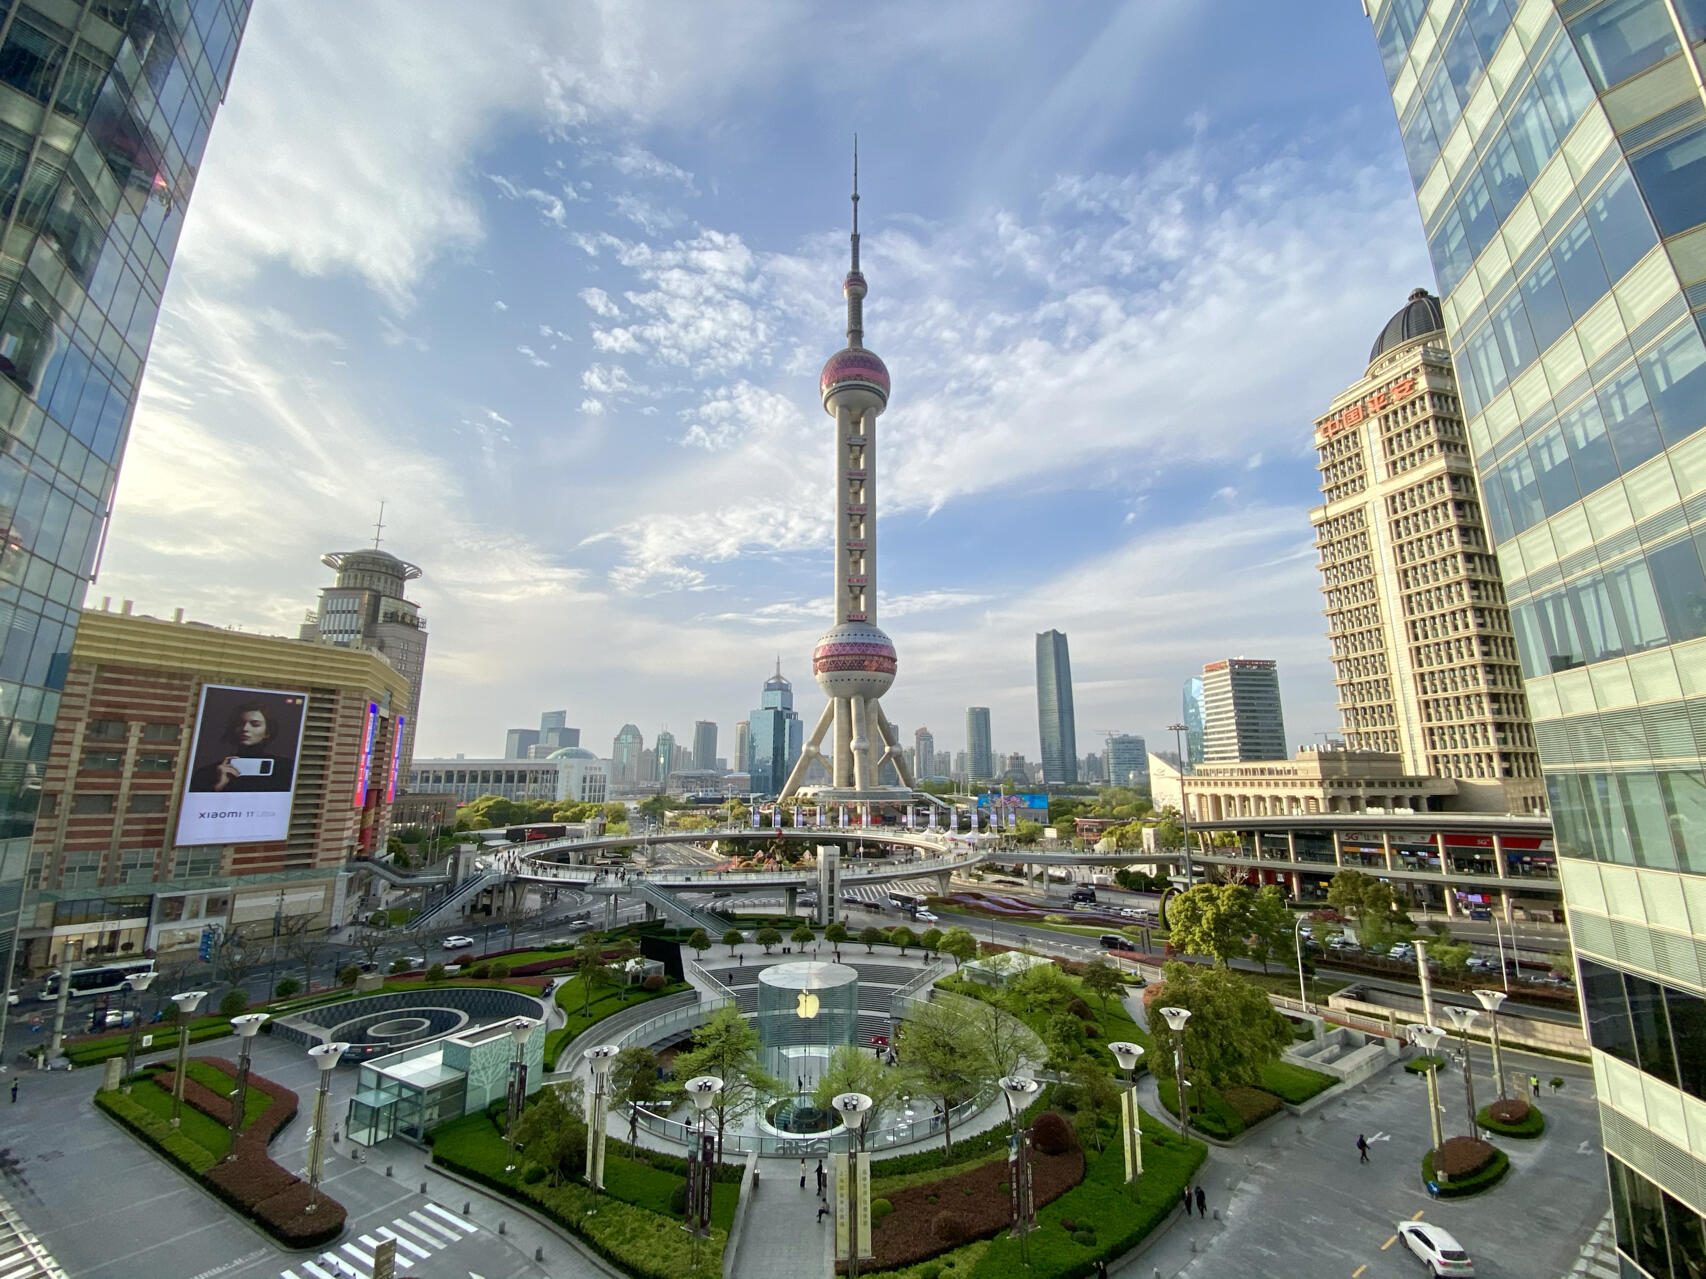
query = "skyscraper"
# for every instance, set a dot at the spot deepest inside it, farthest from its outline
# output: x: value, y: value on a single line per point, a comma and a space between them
x: 365, y: 608
x: 776, y: 733
x: 1556, y: 149
x: 1127, y: 760
x: 555, y: 733
x: 979, y: 754
x: 1194, y: 718
x: 518, y: 742
x: 625, y: 756
x: 924, y: 753
x: 704, y: 744
x: 1422, y: 655
x: 1241, y: 703
x: 743, y: 746
x: 663, y: 756
x: 1054, y: 709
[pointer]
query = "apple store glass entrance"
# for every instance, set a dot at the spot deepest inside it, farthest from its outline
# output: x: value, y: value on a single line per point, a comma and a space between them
x: 805, y: 1011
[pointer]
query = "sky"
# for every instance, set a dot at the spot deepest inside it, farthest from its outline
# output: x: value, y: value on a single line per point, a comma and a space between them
x: 556, y: 281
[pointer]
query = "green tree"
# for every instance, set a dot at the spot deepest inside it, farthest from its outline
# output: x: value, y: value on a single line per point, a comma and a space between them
x: 836, y: 934
x: 435, y: 974
x: 633, y: 1082
x: 870, y: 936
x: 596, y: 963
x: 1102, y: 979
x: 727, y: 1046
x: 940, y: 1053
x: 1270, y: 926
x: 551, y: 1132
x: 616, y: 811
x: 903, y: 937
x: 960, y: 944
x: 851, y: 1069
x: 1169, y: 835
x: 733, y: 938
x: 1233, y: 1031
x: 1211, y: 919
x: 802, y: 935
x: 931, y: 940
x: 1453, y: 956
x: 767, y: 938
x: 1095, y: 1098
x: 699, y: 941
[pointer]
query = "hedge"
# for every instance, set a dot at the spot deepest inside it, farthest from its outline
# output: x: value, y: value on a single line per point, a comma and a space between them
x: 966, y: 1150
x: 1529, y: 1126
x: 177, y: 1144
x: 1292, y: 1083
x: 1210, y: 1115
x: 88, y: 1052
x: 1419, y: 1065
x: 1483, y: 1178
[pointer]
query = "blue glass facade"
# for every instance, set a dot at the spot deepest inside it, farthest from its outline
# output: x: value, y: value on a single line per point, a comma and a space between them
x: 105, y: 108
x: 1191, y: 706
x: 1055, y: 723
x: 1558, y: 149
x: 775, y: 735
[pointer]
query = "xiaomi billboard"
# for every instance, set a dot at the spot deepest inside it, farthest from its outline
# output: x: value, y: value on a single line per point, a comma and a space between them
x: 242, y: 766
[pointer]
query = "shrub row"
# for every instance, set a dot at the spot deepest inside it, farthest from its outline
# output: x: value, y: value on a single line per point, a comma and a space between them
x: 1473, y: 1183
x: 97, y: 1048
x: 965, y: 1150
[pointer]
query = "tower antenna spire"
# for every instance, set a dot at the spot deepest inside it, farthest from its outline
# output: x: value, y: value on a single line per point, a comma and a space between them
x: 854, y: 286
x: 379, y: 525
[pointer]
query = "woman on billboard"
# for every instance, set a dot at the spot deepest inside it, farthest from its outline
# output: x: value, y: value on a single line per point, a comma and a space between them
x: 243, y: 754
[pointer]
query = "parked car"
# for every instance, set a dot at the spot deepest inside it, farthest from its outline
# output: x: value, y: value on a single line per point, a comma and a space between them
x: 456, y: 941
x: 1341, y: 942
x: 1436, y: 1248
x: 1401, y: 950
x: 1475, y: 964
x: 1478, y: 912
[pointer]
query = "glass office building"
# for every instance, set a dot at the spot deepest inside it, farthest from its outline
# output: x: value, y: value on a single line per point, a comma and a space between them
x: 105, y: 108
x: 1558, y: 150
x: 1055, y: 724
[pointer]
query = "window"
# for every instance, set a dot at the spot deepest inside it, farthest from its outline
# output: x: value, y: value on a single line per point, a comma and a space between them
x: 1620, y: 223
x: 1629, y: 419
x: 1590, y: 447
x: 103, y: 760
x: 1623, y: 38
x: 50, y: 805
x: 1693, y: 15
x: 167, y: 733
x: 30, y: 60
x: 80, y: 870
x: 1672, y: 176
x: 196, y: 863
x: 1579, y: 267
x: 1543, y: 297
x: 89, y: 805
x: 1531, y: 131
x: 1489, y: 19
x: 1675, y: 375
x: 156, y: 763
x: 107, y: 728
x: 142, y: 803
x: 136, y: 866
x: 1681, y: 589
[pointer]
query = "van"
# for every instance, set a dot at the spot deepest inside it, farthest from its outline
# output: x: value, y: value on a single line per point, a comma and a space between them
x: 1113, y: 941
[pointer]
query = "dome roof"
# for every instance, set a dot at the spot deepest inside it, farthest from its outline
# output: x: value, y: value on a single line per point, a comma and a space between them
x: 572, y: 752
x: 854, y: 366
x: 1416, y: 318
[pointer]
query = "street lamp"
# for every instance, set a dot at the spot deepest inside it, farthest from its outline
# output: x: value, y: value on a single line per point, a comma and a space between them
x: 247, y: 1027
x: 1297, y: 941
x: 1176, y: 1019
x: 701, y: 1159
x: 852, y: 1182
x: 1428, y: 1039
x: 1490, y: 1000
x: 1184, y: 803
x: 1018, y: 1090
x: 598, y: 1059
x: 326, y: 1056
x: 1463, y: 1019
x: 138, y: 982
x: 1131, y: 1130
x: 187, y: 1001
x: 519, y: 1030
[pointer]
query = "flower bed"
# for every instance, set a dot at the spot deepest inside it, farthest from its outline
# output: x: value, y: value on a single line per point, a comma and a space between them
x: 1468, y: 1164
x: 1513, y: 1118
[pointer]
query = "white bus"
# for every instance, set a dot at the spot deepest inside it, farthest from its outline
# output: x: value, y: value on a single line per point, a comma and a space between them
x: 101, y: 979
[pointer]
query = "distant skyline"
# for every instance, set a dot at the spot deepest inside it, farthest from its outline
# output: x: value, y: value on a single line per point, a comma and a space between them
x: 571, y: 331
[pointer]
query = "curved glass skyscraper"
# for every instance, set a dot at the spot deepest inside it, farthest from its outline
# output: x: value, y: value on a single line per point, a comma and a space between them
x: 1558, y: 150
x: 1055, y: 723
x: 105, y: 107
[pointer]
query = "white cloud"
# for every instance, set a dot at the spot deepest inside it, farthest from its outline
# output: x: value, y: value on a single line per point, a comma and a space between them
x: 533, y: 357
x: 599, y: 301
x: 590, y: 405
x: 606, y: 379
x: 500, y: 306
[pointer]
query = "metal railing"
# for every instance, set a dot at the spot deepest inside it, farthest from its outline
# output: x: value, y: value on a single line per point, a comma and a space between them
x: 464, y: 890
x: 705, y: 979
x: 901, y: 1002
x: 673, y: 906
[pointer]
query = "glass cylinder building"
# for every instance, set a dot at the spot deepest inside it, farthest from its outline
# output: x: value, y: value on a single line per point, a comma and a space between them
x: 805, y: 1011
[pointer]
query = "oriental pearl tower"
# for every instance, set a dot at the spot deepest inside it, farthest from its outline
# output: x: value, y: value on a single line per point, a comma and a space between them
x: 854, y: 662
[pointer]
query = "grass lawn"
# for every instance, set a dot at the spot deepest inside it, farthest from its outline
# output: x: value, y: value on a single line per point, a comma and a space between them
x: 224, y: 1084
x: 204, y: 1131
x: 1281, y: 983
x: 606, y: 1000
x: 1294, y: 1084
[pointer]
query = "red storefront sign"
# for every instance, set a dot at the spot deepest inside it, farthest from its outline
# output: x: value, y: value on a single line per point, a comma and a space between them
x: 1348, y: 417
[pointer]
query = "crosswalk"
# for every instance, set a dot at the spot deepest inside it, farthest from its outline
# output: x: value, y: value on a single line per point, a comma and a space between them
x: 418, y: 1234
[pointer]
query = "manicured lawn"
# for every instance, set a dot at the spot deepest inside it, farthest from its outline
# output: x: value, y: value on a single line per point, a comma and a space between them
x: 1293, y: 1083
x: 218, y: 1081
x: 203, y: 1130
x: 571, y: 998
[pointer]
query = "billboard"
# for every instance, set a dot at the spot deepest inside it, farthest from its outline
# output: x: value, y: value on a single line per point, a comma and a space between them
x: 366, y: 767
x: 242, y: 766
x: 396, y: 754
x: 1030, y: 808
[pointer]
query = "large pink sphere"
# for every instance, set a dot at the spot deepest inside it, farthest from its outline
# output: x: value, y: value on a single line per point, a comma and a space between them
x: 857, y: 373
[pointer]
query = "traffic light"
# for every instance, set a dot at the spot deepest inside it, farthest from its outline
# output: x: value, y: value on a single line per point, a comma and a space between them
x: 204, y: 952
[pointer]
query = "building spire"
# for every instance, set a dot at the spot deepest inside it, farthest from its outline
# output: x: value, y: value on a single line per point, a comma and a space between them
x: 854, y: 285
x: 379, y: 526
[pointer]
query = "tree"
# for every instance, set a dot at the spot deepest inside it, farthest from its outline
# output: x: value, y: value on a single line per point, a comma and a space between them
x: 1102, y: 979
x: 1027, y: 832
x: 615, y: 811
x: 348, y: 974
x: 1453, y: 956
x: 903, y: 937
x: 870, y: 936
x: 768, y: 938
x: 1211, y: 919
x: 304, y: 944
x: 802, y: 936
x: 1169, y: 835
x: 940, y: 1054
x: 727, y: 1046
x: 699, y: 941
x: 369, y: 940
x: 836, y: 934
x: 633, y: 1081
x: 1095, y: 1097
x: 1270, y: 926
x: 960, y: 944
x: 732, y: 938
x: 931, y: 940
x: 1233, y: 1031
x: 656, y: 807
x: 239, y: 955
x: 596, y: 964
x: 852, y: 1069
x: 551, y: 1132
x: 1004, y: 1044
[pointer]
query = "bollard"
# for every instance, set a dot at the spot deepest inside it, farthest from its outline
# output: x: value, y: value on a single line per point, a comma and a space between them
x: 1216, y: 1211
x: 501, y: 1224
x: 390, y: 1170
x: 1193, y: 1241
x: 467, y: 1207
x: 539, y: 1254
x: 423, y: 1187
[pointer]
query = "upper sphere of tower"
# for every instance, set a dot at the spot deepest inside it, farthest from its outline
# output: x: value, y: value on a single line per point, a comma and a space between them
x: 854, y: 284
x: 855, y: 376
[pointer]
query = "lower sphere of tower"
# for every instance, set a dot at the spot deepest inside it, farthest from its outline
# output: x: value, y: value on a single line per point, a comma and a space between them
x: 856, y: 378
x: 854, y: 659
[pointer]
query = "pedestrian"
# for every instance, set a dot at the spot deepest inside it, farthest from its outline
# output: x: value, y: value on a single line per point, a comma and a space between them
x: 1185, y: 1194
x: 822, y: 1178
x: 1202, y: 1202
x: 1534, y: 1083
x: 822, y: 1208
x: 14, y: 1092
x: 1362, y: 1148
x: 802, y: 1174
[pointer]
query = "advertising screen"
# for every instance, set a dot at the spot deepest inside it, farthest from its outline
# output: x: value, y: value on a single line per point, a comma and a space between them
x: 242, y: 766
x: 366, y: 767
x: 391, y: 785
x: 1029, y: 807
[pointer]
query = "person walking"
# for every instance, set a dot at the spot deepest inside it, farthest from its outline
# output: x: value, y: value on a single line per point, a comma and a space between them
x: 1534, y: 1084
x: 802, y: 1174
x: 822, y: 1179
x: 1185, y: 1194
x: 1362, y: 1148
x: 1202, y: 1202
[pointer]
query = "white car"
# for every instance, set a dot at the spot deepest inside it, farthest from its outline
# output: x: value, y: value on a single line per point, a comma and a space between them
x: 929, y: 917
x: 1436, y: 1248
x: 1341, y: 942
x: 1126, y: 912
x: 456, y: 941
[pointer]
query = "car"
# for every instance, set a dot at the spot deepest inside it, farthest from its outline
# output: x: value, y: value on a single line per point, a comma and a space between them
x: 929, y: 917
x: 1086, y: 906
x: 1436, y: 1248
x: 1479, y: 912
x: 1475, y: 964
x: 1305, y: 932
x: 420, y: 961
x: 1113, y: 941
x: 1400, y: 950
x: 456, y: 941
x: 1341, y: 942
x: 1126, y: 912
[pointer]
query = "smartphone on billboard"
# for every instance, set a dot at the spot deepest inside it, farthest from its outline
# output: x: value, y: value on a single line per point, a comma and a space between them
x: 251, y: 767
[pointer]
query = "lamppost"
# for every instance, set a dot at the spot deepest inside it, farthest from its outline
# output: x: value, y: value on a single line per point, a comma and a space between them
x: 1176, y: 1019
x: 1490, y: 1000
x: 187, y: 1001
x: 1131, y: 1131
x: 326, y: 1056
x: 1428, y: 1039
x: 1297, y: 942
x: 1018, y: 1090
x: 138, y: 982
x: 519, y: 1031
x: 247, y: 1027
x: 1184, y: 803
x: 852, y: 1184
x: 701, y: 1160
x: 598, y: 1060
x: 1463, y: 1019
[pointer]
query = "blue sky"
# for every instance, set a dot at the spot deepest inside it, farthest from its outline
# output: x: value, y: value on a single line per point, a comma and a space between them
x: 556, y: 281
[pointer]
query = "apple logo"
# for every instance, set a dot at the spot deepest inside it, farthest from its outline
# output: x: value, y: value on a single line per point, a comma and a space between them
x: 808, y: 1005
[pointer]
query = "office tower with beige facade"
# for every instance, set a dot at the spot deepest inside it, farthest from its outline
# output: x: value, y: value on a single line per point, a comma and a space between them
x: 1423, y: 658
x: 1242, y: 718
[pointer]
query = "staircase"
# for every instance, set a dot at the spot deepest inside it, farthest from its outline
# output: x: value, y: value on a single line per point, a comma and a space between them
x: 1599, y: 1255
x: 461, y: 893
x: 672, y: 907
